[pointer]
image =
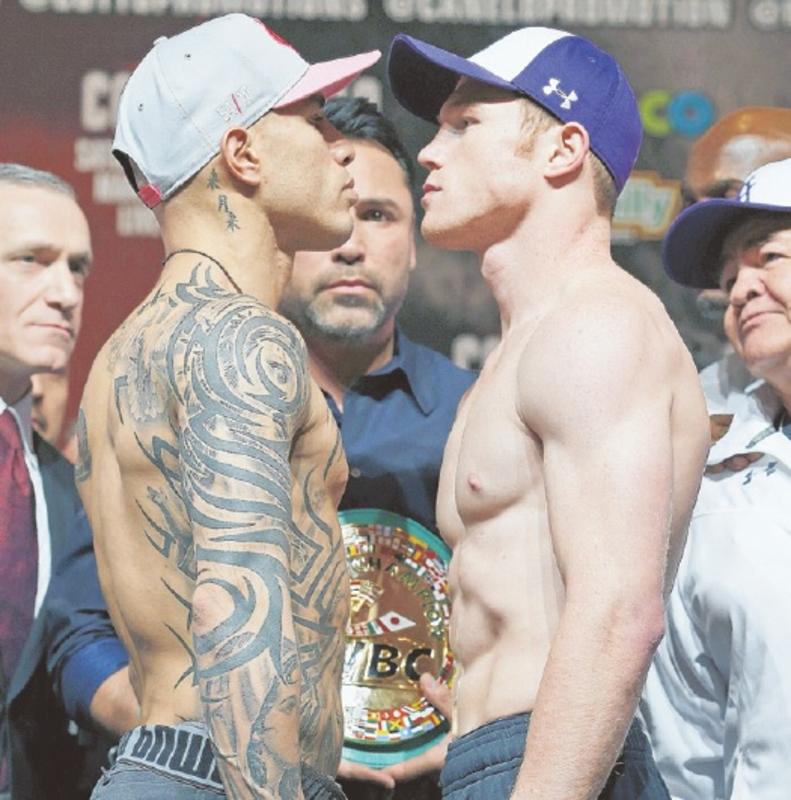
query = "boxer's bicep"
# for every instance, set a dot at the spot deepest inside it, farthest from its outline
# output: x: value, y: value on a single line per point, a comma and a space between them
x: 243, y: 392
x: 604, y: 425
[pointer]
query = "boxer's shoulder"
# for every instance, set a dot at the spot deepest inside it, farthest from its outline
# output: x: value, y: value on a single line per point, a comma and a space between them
x: 589, y: 330
x: 592, y: 349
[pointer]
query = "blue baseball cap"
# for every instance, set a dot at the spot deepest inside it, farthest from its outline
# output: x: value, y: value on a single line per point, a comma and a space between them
x: 692, y: 246
x: 566, y: 75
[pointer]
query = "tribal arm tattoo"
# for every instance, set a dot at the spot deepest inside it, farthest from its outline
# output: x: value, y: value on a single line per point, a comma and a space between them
x: 240, y: 373
x: 83, y: 467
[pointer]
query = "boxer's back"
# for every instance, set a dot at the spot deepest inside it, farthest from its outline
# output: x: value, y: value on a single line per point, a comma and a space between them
x: 516, y: 497
x: 195, y: 414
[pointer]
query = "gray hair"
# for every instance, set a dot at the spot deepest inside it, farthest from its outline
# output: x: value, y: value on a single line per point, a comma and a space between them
x: 22, y: 175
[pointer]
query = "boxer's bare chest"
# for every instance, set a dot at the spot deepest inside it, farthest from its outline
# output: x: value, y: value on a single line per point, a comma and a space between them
x: 492, y: 460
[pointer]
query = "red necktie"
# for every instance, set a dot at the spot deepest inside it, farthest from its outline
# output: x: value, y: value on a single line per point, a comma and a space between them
x: 18, y: 547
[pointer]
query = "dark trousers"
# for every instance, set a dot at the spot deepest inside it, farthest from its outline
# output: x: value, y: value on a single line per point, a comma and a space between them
x: 483, y: 764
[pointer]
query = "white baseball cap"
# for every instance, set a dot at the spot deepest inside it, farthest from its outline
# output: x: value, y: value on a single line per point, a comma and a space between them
x: 190, y: 88
x: 692, y: 246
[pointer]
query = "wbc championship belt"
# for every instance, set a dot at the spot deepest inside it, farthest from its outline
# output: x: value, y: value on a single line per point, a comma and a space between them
x: 398, y: 629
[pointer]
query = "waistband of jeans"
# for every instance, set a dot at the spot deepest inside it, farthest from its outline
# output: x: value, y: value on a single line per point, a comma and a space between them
x: 182, y: 751
x: 318, y: 786
x: 516, y: 724
x: 495, y: 747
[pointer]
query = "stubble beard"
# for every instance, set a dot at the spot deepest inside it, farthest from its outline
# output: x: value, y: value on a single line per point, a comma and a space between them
x: 317, y: 321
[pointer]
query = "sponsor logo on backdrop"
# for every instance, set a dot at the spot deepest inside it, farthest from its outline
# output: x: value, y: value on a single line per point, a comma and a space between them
x: 662, y: 14
x: 308, y: 10
x: 680, y: 14
x: 646, y: 207
x: 770, y: 15
x: 686, y: 113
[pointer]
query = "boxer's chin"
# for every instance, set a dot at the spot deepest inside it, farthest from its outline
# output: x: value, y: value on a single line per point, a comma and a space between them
x: 445, y: 234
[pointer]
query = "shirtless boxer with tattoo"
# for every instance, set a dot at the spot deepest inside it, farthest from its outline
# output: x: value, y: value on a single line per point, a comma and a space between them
x: 571, y: 471
x: 209, y: 463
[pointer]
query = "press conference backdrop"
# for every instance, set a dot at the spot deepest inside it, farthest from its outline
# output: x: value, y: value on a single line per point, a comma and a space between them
x: 63, y: 64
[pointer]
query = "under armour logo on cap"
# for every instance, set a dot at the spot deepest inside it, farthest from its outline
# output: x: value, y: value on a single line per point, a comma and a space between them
x: 746, y: 189
x: 553, y: 87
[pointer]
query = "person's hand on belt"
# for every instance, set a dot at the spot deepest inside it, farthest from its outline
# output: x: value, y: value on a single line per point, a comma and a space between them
x: 439, y: 695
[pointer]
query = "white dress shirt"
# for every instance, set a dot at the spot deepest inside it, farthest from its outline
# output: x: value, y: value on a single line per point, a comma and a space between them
x: 717, y: 701
x: 21, y: 411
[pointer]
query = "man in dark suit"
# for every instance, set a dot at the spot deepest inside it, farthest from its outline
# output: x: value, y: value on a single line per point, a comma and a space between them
x: 45, y: 254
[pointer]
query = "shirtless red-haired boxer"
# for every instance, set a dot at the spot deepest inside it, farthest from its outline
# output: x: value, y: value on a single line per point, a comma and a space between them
x: 574, y: 462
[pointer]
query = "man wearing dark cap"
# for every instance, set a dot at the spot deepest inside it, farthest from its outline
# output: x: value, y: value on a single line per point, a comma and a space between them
x: 574, y: 461
x: 719, y: 161
x: 716, y: 697
x: 210, y: 466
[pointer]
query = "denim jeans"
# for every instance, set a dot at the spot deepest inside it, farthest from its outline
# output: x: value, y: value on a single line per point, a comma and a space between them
x: 483, y: 764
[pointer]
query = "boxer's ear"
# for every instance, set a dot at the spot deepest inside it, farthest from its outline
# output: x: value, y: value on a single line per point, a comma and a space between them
x: 571, y: 145
x: 240, y: 155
